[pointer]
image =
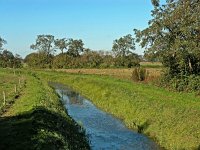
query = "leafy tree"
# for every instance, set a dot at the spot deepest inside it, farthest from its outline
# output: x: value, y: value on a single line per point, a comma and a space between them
x: 132, y: 60
x: 18, y: 61
x: 2, y: 42
x: 38, y: 60
x: 32, y: 60
x: 174, y: 35
x: 122, y: 47
x: 61, y: 44
x: 61, y: 61
x: 45, y: 47
x: 6, y: 59
x: 91, y: 59
x: 75, y: 47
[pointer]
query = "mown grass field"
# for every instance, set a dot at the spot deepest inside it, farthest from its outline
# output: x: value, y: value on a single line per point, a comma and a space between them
x: 37, y: 120
x: 172, y: 119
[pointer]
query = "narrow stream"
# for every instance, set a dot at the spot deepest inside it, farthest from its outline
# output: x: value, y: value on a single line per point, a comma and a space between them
x: 105, y: 132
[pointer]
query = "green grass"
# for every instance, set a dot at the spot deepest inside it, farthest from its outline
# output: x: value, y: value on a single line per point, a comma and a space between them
x: 172, y: 119
x: 151, y: 64
x: 8, y: 82
x: 37, y: 120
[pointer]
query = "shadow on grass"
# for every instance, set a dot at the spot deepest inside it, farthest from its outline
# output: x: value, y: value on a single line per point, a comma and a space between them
x: 41, y: 129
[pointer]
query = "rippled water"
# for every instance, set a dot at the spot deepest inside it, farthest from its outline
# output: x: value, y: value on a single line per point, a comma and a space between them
x: 105, y: 132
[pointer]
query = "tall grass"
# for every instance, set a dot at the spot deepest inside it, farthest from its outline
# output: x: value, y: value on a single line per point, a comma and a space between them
x: 140, y: 74
x: 121, y: 73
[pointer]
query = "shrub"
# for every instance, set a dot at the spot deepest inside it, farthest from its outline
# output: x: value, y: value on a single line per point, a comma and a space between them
x: 182, y: 83
x: 139, y: 74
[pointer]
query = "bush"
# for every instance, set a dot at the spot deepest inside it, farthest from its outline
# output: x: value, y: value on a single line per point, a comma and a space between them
x: 182, y: 83
x: 139, y: 74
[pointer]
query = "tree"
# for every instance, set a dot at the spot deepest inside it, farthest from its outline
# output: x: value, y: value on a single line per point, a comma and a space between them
x: 91, y: 59
x: 38, y: 60
x: 18, y: 61
x: 60, y: 61
x: 123, y: 47
x: 2, y: 42
x: 174, y: 35
x: 6, y: 59
x: 45, y: 47
x: 75, y: 47
x: 61, y: 44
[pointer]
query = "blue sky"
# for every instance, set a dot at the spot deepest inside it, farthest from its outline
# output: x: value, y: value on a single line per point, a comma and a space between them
x: 96, y: 22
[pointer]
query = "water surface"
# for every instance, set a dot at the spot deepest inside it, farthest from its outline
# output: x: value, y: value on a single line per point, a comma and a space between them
x: 105, y: 132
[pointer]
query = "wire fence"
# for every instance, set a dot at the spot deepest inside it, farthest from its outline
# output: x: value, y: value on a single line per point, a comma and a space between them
x: 7, y: 95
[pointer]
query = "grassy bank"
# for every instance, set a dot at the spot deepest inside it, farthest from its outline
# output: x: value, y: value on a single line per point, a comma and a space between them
x: 172, y: 119
x: 37, y: 120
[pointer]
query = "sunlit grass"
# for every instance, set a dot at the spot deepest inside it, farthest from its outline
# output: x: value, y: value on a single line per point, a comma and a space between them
x: 38, y: 120
x: 126, y: 74
x: 172, y: 119
x: 9, y: 85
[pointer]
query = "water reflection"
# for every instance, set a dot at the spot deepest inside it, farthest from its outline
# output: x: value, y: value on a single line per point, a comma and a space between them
x: 74, y: 98
x: 104, y: 131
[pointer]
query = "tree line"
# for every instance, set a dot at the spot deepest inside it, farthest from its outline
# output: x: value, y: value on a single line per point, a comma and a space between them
x: 7, y: 59
x: 71, y: 53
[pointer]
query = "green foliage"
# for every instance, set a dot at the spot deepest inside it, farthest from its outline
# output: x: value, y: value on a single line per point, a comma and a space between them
x: 8, y: 60
x: 61, y: 44
x: 76, y: 56
x: 60, y: 61
x: 122, y: 48
x: 39, y: 60
x: 184, y: 83
x: 45, y: 47
x: 173, y: 36
x: 2, y: 42
x: 75, y: 47
x: 91, y: 59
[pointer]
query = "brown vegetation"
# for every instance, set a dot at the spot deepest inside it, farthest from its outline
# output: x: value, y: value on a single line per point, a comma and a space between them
x: 118, y: 73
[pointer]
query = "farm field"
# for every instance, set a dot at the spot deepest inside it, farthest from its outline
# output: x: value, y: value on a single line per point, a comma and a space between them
x: 118, y: 73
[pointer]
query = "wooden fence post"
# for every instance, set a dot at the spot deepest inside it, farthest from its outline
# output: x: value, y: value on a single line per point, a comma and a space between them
x: 19, y: 82
x: 15, y: 88
x: 4, y: 98
x: 62, y: 94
